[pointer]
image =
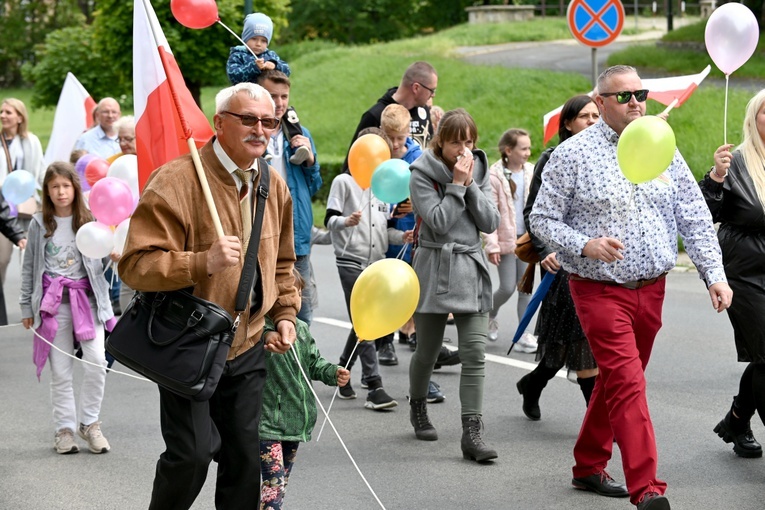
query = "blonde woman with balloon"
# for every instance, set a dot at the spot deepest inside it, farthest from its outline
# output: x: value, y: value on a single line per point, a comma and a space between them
x: 735, y: 192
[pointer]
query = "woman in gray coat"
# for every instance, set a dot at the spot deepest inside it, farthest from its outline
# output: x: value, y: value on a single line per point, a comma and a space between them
x: 451, y: 195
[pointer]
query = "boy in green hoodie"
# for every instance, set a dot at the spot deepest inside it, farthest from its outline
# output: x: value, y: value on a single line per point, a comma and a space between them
x: 289, y: 408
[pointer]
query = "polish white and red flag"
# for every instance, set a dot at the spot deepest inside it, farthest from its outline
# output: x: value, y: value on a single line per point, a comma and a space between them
x: 74, y: 115
x: 166, y: 114
x: 663, y: 90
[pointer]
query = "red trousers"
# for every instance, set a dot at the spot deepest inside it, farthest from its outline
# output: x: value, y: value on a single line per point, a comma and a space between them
x: 621, y: 325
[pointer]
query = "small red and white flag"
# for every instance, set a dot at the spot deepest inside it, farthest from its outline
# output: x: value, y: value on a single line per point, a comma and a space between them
x: 166, y: 114
x: 680, y: 88
x: 663, y: 90
x: 74, y: 115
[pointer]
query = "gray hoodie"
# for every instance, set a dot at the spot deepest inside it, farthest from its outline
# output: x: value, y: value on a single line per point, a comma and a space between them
x: 450, y: 262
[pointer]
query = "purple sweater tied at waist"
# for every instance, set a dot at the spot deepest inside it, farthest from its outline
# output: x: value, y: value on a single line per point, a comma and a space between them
x: 82, y: 318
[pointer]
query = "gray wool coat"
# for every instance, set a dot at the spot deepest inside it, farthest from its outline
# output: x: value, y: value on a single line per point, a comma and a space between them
x: 449, y: 259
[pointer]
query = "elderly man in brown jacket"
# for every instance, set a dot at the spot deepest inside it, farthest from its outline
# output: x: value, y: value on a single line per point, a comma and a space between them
x: 172, y: 244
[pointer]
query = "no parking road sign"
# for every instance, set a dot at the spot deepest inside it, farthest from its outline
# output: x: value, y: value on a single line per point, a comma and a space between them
x: 595, y: 23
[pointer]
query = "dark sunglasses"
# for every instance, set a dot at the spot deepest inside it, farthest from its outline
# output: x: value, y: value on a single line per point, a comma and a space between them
x: 624, y: 96
x: 251, y: 120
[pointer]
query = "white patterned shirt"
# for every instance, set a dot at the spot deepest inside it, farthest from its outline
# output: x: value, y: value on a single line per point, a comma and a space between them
x: 584, y: 196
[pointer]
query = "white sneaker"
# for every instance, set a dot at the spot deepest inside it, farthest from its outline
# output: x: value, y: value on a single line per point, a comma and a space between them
x: 527, y: 344
x: 301, y: 155
x: 493, y: 330
x: 97, y: 443
x: 64, y: 442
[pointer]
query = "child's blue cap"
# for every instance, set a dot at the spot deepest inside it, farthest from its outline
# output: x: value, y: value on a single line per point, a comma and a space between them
x: 257, y: 23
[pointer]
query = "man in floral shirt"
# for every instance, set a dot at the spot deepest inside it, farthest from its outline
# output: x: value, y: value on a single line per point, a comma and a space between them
x: 618, y: 240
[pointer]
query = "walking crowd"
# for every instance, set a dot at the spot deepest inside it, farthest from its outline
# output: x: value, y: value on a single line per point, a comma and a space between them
x: 464, y: 217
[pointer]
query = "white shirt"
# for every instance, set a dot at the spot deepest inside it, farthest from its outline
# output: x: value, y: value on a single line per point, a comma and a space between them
x: 517, y: 177
x: 231, y: 167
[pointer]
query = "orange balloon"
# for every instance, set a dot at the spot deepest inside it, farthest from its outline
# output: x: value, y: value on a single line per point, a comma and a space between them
x: 366, y: 153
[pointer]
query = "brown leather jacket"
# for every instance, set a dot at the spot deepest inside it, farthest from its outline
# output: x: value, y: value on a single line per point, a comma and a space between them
x: 171, y: 231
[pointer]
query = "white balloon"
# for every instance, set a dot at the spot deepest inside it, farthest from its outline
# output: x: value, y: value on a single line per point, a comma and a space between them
x: 95, y: 240
x: 120, y: 236
x: 125, y: 168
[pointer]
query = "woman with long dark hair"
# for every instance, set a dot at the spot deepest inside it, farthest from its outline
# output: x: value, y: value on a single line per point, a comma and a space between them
x: 559, y: 335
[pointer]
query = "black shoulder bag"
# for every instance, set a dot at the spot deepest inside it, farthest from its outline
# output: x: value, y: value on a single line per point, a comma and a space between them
x: 181, y: 341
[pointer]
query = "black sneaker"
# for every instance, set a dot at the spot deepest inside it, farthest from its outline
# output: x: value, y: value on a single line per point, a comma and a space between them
x: 387, y: 354
x: 435, y: 395
x: 346, y: 392
x: 447, y: 357
x: 377, y: 400
x: 403, y: 338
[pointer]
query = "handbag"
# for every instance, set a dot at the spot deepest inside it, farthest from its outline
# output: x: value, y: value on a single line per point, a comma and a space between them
x: 181, y: 341
x: 28, y: 207
x: 524, y: 249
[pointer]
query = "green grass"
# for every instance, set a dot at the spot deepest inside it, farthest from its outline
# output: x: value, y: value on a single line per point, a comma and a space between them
x: 333, y: 86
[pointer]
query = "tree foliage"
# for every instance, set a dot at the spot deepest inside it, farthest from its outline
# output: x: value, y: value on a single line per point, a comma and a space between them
x: 24, y: 24
x: 361, y: 21
x: 106, y: 69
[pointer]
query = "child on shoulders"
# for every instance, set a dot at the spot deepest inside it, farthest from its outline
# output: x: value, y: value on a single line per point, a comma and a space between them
x: 242, y: 65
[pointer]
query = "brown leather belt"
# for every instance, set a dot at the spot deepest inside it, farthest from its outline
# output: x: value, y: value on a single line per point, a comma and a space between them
x: 638, y: 284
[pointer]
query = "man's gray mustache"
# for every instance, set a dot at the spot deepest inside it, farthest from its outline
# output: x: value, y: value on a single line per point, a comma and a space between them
x: 255, y: 138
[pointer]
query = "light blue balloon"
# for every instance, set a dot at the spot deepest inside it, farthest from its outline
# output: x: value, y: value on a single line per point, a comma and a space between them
x: 19, y: 186
x: 390, y: 181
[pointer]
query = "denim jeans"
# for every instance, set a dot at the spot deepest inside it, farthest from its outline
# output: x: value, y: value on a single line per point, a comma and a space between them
x: 303, y: 266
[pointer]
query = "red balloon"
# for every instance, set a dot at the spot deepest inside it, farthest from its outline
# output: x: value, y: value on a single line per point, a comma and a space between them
x: 195, y: 13
x: 96, y: 170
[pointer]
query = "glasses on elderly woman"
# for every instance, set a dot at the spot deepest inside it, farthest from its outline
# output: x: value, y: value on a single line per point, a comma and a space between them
x: 126, y: 139
x: 624, y: 96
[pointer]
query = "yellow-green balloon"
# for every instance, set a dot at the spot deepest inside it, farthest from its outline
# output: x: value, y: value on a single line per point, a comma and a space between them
x: 383, y: 298
x: 646, y: 148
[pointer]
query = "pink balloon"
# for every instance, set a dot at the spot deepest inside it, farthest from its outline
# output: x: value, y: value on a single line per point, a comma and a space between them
x: 731, y: 36
x: 195, y: 13
x: 111, y: 201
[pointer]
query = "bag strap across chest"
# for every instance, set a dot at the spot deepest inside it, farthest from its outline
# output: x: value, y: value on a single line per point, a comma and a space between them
x: 249, y: 278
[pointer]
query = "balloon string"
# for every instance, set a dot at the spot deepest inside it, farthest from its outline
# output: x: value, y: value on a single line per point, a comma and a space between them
x: 401, y: 252
x: 110, y: 370
x: 335, y: 394
x: 326, y: 418
x: 725, y: 115
x: 625, y: 214
x: 367, y: 201
x: 237, y: 38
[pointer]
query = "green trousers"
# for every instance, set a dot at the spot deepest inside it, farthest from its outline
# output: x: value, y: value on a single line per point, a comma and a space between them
x: 471, y: 331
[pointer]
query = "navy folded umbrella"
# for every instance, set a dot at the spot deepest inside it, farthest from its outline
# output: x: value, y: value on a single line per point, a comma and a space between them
x: 531, y: 309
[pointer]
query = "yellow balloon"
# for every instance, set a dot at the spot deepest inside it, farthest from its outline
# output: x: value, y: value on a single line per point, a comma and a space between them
x: 383, y: 298
x: 646, y: 148
x: 114, y: 157
x: 366, y: 153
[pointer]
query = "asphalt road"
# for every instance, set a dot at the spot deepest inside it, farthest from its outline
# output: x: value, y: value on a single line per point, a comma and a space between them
x: 566, y: 55
x: 691, y: 378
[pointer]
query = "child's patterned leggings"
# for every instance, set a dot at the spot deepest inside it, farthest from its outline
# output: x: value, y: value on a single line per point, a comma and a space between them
x: 276, y: 461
